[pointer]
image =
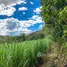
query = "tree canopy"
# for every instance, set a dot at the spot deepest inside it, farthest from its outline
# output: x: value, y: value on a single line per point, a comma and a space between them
x: 54, y: 13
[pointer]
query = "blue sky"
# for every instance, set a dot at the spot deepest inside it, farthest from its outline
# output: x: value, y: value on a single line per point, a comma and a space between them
x: 20, y: 16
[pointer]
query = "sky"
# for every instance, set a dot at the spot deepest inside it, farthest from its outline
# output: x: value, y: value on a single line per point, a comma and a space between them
x: 20, y: 16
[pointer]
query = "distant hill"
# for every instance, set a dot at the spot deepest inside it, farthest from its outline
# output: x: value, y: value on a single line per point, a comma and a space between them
x: 33, y: 36
x: 36, y: 35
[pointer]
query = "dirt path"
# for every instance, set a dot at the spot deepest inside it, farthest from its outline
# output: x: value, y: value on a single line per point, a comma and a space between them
x: 51, y: 59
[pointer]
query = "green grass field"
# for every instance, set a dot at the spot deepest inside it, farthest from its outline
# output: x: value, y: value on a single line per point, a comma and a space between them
x: 23, y: 54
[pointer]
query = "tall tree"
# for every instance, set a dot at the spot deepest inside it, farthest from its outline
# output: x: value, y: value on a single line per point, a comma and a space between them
x: 54, y: 13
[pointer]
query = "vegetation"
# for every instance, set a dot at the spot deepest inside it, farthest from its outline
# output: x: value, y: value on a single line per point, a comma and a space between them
x: 36, y: 35
x: 22, y: 37
x: 49, y: 44
x: 54, y: 14
x: 24, y: 54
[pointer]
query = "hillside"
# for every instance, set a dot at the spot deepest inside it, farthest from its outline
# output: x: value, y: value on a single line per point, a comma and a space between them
x: 24, y: 54
x: 44, y: 48
x: 33, y: 36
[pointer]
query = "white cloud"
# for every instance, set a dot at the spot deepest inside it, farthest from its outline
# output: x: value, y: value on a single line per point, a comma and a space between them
x: 8, y: 2
x: 33, y: 20
x: 23, y: 8
x: 38, y: 10
x: 24, y: 30
x: 14, y: 25
x: 35, y: 17
x: 31, y: 2
x: 3, y: 30
x: 6, y: 10
x: 6, y: 6
x: 21, y: 1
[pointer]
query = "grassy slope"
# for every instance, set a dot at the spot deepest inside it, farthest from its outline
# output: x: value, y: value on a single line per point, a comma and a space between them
x: 29, y: 53
x: 23, y: 54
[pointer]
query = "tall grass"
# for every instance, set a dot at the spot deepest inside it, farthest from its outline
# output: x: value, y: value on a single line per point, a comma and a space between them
x: 23, y: 54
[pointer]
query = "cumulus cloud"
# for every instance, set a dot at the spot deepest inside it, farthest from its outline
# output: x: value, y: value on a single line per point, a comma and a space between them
x: 8, y: 2
x: 6, y: 6
x: 6, y: 10
x: 23, y: 8
x: 38, y: 10
x: 14, y: 25
x: 3, y: 30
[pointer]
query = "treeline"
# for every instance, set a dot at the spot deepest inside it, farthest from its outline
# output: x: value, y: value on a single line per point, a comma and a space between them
x: 9, y: 39
x: 22, y: 37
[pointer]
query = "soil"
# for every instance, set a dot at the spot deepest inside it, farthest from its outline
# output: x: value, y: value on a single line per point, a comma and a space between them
x: 51, y: 58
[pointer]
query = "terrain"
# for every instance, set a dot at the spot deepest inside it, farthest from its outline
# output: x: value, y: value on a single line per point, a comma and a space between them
x: 45, y: 48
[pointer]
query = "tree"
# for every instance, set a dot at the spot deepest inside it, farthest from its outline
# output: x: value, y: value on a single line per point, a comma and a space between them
x: 54, y: 13
x: 22, y: 36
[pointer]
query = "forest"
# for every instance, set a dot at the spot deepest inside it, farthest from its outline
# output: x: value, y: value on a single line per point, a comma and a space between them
x: 44, y: 48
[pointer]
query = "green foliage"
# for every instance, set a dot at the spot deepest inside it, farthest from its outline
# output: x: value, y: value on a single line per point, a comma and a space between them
x: 9, y: 39
x: 23, y: 54
x: 22, y: 37
x: 54, y: 13
x: 35, y: 35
